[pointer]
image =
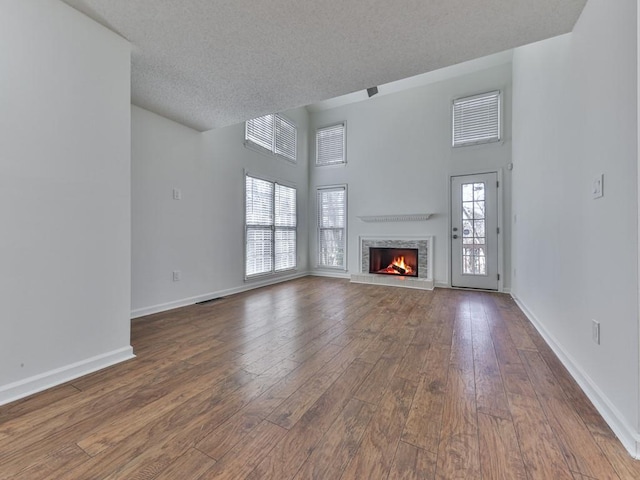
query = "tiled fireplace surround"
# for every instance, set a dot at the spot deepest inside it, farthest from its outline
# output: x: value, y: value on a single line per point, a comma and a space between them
x: 424, y: 281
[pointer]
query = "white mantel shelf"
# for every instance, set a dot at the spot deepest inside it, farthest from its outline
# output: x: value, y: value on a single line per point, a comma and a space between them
x: 413, y: 217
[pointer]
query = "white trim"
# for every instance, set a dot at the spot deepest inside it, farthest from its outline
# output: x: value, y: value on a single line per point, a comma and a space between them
x: 396, y: 237
x: 251, y: 284
x: 636, y: 454
x: 412, y: 217
x: 625, y: 432
x: 444, y: 285
x: 501, y: 229
x: 500, y: 223
x: 447, y: 246
x: 37, y: 383
x: 330, y: 274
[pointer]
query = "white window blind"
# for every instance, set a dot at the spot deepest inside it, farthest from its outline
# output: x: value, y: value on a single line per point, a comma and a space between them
x: 270, y: 225
x: 259, y: 202
x: 260, y: 131
x: 285, y: 138
x: 273, y: 133
x: 476, y: 119
x: 330, y: 145
x: 332, y: 223
x: 259, y: 226
x: 285, y: 228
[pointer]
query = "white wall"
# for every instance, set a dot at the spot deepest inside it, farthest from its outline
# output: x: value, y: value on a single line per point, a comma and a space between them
x: 64, y: 196
x: 167, y: 235
x: 201, y: 235
x: 399, y: 160
x: 576, y: 258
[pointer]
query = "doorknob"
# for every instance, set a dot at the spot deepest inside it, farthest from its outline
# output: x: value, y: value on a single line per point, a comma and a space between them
x: 455, y: 236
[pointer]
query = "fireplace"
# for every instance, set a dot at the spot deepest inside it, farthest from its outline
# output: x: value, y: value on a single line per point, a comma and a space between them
x: 381, y: 253
x: 393, y: 261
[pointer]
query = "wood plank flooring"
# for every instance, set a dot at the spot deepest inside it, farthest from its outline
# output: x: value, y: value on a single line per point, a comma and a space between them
x: 321, y: 379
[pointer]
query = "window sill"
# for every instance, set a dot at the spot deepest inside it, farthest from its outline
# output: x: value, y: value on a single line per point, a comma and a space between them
x: 263, y: 276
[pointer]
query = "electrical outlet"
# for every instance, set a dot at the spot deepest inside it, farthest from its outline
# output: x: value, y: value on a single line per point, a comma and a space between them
x: 595, y: 331
x: 177, y: 275
x: 177, y: 194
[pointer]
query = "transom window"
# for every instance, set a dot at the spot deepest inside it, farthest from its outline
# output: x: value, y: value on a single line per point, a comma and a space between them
x: 273, y: 133
x: 476, y: 119
x: 270, y: 227
x: 330, y: 145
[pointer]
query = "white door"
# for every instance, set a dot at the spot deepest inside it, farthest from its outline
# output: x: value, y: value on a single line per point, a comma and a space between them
x: 474, y: 231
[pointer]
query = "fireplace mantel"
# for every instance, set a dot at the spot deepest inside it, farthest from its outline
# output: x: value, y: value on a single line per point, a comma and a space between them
x: 411, y: 217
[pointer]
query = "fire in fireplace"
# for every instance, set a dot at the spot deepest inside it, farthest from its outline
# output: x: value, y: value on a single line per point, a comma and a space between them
x: 393, y: 261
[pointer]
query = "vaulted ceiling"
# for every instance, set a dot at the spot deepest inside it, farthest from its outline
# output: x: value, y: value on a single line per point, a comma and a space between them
x: 212, y: 63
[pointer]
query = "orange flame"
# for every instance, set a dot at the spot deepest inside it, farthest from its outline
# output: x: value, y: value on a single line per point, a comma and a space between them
x: 399, y: 267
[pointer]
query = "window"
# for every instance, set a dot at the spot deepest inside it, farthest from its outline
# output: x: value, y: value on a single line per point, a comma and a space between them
x: 476, y: 119
x: 285, y: 228
x: 270, y: 224
x: 330, y: 145
x: 273, y: 133
x: 474, y: 235
x: 332, y: 223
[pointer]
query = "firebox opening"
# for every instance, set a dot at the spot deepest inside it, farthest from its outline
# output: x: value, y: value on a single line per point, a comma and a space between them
x: 394, y: 261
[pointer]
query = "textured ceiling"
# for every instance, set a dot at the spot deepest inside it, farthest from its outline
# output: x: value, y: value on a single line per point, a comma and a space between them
x: 212, y: 63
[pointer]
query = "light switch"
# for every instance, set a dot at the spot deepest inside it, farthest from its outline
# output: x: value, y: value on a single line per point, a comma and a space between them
x: 177, y: 194
x: 598, y: 183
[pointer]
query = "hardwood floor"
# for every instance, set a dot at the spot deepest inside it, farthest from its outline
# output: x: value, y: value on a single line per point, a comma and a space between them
x: 321, y: 379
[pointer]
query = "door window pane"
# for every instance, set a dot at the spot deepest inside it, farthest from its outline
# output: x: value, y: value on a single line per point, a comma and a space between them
x: 473, y: 229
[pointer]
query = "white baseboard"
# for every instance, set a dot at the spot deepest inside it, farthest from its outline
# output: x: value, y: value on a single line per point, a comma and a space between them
x: 183, y: 302
x: 330, y: 274
x: 625, y: 432
x: 506, y: 290
x: 249, y: 285
x: 37, y: 383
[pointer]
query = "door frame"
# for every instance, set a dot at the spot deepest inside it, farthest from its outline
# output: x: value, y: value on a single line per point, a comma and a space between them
x: 500, y: 221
